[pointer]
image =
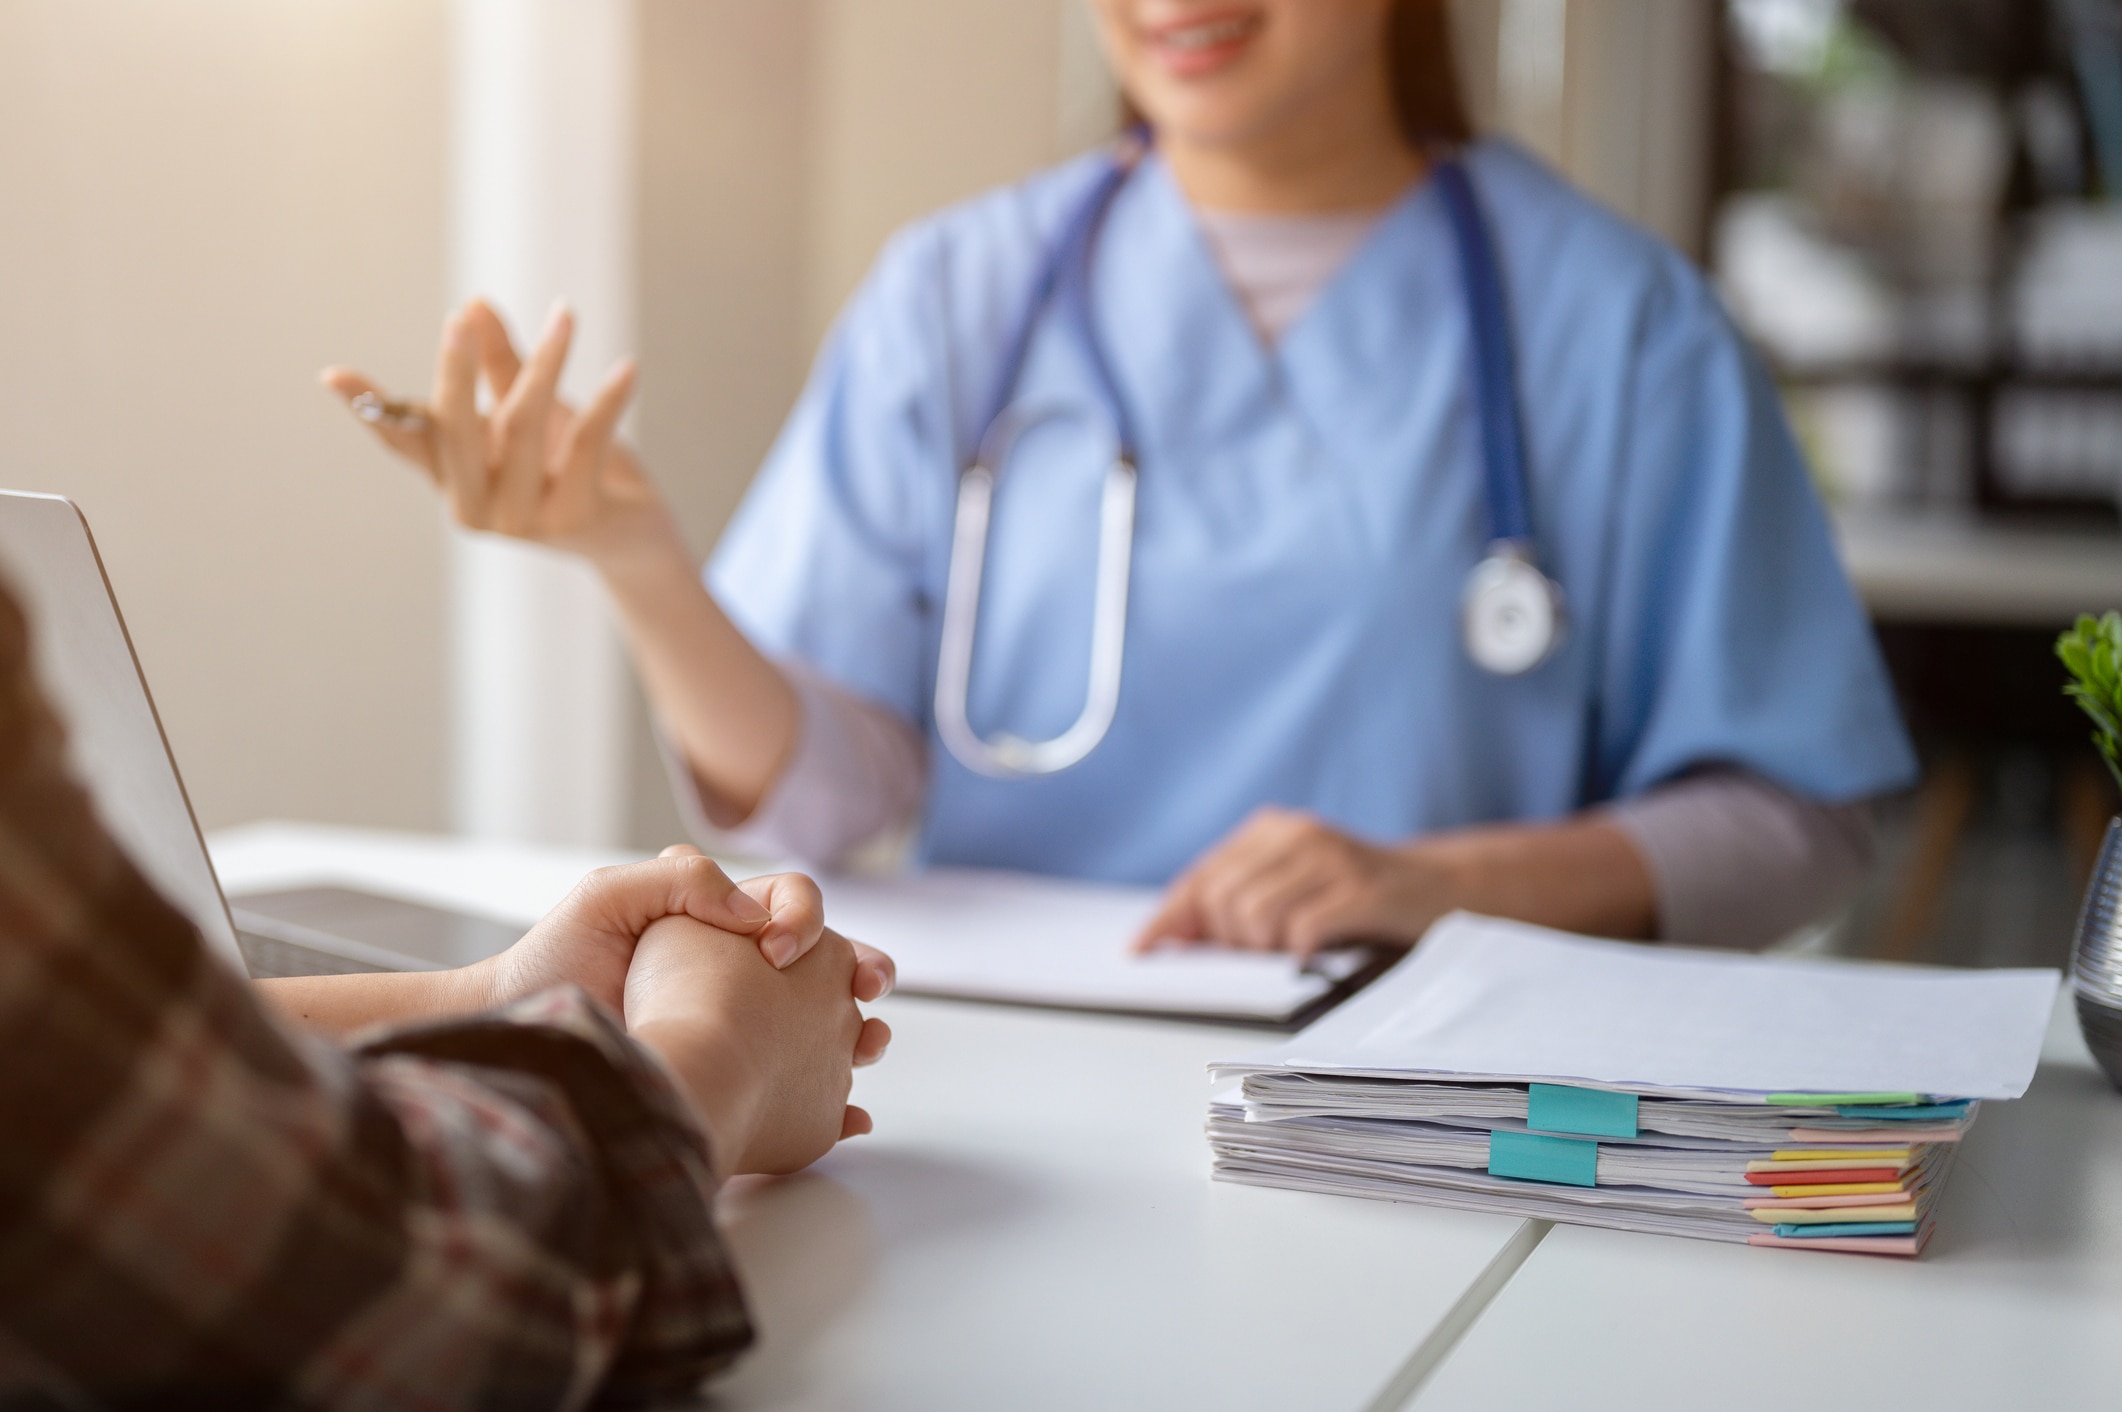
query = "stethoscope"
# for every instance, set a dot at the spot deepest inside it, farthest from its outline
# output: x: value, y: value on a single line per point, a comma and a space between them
x: 1510, y: 613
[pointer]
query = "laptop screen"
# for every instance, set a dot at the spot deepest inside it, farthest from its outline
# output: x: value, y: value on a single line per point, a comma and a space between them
x: 86, y: 664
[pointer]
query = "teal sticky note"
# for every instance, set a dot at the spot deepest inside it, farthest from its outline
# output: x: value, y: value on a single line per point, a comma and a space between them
x: 1823, y: 1231
x: 1560, y: 1108
x: 1534, y: 1158
x: 1913, y: 1113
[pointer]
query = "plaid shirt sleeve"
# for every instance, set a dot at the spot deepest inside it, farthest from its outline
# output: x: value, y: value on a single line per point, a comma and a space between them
x: 508, y: 1211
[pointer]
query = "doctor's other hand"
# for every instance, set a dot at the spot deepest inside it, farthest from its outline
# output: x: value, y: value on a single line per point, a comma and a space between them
x: 532, y: 467
x: 1284, y: 881
x: 766, y: 1056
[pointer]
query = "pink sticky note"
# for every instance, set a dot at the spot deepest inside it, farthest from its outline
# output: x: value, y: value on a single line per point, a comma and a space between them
x: 1854, y: 1245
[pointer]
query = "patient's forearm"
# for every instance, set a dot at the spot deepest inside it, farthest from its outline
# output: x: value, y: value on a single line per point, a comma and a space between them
x: 340, y: 1005
x: 730, y: 712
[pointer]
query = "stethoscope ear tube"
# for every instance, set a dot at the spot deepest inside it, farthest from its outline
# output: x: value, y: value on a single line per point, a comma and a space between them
x: 1008, y: 756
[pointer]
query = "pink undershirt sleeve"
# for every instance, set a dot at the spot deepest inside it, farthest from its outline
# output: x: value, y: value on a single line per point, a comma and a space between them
x: 1739, y: 862
x: 858, y: 771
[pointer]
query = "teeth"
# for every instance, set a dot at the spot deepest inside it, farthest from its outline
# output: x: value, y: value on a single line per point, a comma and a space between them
x: 1204, y: 36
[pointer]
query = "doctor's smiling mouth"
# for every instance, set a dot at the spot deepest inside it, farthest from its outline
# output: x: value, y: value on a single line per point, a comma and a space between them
x: 1267, y: 74
x: 1194, y: 41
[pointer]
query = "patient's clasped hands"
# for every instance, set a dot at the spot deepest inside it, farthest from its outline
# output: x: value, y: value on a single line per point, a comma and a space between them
x: 759, y: 1026
x: 766, y: 1055
x: 741, y: 989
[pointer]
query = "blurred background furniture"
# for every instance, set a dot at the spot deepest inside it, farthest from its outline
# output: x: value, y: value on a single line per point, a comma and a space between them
x: 1914, y: 215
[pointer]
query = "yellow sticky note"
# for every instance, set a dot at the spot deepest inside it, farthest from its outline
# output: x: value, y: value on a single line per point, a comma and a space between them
x: 1842, y: 1164
x: 1835, y: 1215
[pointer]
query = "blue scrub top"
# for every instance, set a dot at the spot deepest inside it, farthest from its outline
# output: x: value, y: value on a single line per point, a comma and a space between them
x: 1306, y: 520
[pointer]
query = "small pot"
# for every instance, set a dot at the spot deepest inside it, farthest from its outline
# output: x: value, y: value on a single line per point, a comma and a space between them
x: 2096, y: 968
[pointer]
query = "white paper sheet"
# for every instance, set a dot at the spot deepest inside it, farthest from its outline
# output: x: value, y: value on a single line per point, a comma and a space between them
x: 1486, y: 999
x: 1006, y: 936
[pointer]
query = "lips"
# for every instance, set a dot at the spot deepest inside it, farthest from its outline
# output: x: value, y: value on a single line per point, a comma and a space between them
x: 1202, y: 43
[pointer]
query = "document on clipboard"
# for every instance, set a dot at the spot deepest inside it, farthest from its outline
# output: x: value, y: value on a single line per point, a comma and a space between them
x: 1015, y: 938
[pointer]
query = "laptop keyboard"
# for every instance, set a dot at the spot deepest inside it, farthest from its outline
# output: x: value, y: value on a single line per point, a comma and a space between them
x: 269, y: 958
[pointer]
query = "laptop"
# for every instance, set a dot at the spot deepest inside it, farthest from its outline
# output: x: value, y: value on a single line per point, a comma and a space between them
x: 86, y: 664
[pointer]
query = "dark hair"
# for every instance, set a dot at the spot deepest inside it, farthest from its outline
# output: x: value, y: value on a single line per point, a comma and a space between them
x: 1423, y: 66
x: 1425, y: 74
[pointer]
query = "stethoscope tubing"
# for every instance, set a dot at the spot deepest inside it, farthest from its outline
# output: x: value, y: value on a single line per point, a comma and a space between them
x: 1512, y: 613
x: 1008, y: 756
x: 1495, y: 365
x: 1064, y: 273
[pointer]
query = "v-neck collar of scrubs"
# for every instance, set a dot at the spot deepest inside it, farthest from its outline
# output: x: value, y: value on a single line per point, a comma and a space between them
x: 1203, y: 369
x: 1279, y: 263
x: 1206, y: 370
x: 1378, y: 320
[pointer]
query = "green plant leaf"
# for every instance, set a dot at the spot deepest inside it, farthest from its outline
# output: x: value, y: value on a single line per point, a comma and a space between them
x: 2091, y: 651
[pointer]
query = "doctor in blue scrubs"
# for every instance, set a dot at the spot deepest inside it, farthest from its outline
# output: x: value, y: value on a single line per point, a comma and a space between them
x: 1301, y: 505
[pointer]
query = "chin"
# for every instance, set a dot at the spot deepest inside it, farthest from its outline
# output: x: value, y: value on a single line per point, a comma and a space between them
x: 1211, y: 115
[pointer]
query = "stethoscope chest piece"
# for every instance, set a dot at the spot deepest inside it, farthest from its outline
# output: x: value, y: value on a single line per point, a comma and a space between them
x: 1511, y: 613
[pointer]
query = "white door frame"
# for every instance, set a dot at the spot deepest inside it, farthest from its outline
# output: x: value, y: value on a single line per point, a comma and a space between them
x: 542, y: 188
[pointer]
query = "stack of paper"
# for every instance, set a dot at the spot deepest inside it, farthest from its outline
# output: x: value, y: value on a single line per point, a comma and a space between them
x: 1509, y: 1068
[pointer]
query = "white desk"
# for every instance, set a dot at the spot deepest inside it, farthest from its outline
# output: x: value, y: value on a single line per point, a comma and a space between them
x: 2017, y: 1303
x: 1032, y: 1224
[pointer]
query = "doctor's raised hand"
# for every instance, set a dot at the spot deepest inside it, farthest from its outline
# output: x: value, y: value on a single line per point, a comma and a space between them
x: 532, y: 467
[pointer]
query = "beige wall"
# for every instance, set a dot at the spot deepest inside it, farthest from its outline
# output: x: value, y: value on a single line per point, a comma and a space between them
x: 782, y: 142
x: 1622, y: 105
x: 919, y: 103
x: 201, y: 204
x: 206, y: 202
x: 1637, y: 110
x: 725, y: 140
